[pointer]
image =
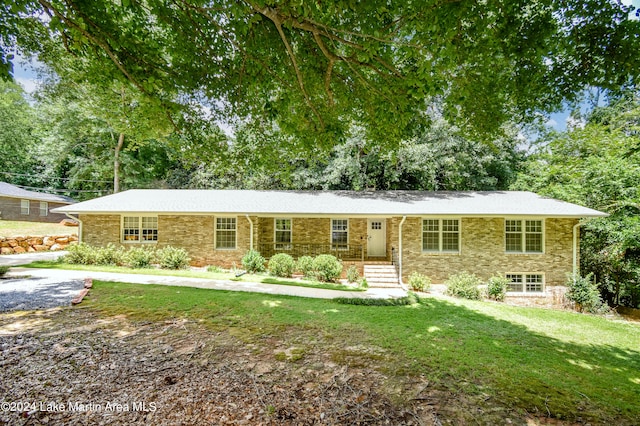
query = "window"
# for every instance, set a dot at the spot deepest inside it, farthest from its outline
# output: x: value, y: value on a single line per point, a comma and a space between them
x: 282, y: 236
x: 523, y: 236
x: 525, y: 283
x: 441, y: 235
x: 140, y: 229
x: 44, y: 208
x: 225, y: 232
x: 339, y: 233
x: 24, y: 207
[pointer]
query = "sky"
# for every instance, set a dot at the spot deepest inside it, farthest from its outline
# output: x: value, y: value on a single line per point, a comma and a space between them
x: 27, y: 77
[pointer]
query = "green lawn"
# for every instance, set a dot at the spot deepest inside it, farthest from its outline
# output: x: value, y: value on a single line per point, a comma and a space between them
x: 189, y: 273
x: 569, y: 366
x: 14, y: 228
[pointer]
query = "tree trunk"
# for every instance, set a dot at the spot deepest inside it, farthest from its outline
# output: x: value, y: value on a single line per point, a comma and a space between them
x: 116, y: 164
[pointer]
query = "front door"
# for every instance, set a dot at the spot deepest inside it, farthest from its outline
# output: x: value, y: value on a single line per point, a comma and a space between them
x: 376, y: 237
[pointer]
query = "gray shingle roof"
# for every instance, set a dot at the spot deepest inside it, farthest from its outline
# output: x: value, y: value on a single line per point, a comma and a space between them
x: 8, y: 190
x: 490, y: 203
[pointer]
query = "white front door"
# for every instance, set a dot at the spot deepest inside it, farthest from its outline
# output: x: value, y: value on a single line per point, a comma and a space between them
x: 376, y: 237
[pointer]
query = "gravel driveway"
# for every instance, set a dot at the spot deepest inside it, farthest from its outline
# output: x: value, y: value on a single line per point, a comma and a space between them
x: 37, y: 293
x: 27, y: 293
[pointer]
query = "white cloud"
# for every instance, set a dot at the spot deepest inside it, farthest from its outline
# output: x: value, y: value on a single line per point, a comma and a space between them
x: 551, y: 123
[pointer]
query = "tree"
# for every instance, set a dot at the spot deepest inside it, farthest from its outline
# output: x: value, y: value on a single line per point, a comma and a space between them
x: 17, y: 136
x: 317, y: 67
x: 597, y: 166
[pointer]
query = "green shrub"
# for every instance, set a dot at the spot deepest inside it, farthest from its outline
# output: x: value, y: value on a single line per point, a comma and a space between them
x: 4, y: 269
x: 109, y: 255
x: 172, y: 258
x: 304, y: 265
x: 583, y: 291
x: 253, y: 261
x: 464, y: 285
x: 409, y: 299
x: 139, y: 257
x: 363, y: 283
x: 327, y: 268
x: 281, y: 265
x: 352, y: 274
x: 419, y: 282
x: 81, y: 254
x: 214, y: 268
x: 497, y: 287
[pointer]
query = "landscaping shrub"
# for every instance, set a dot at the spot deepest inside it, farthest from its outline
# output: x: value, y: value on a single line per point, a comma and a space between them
x: 419, y: 282
x: 253, y: 261
x: 497, y: 287
x: 464, y: 285
x: 172, y: 258
x: 409, y: 299
x: 281, y: 265
x: 109, y: 255
x: 363, y: 283
x: 3, y: 270
x: 352, y: 274
x: 327, y: 268
x: 304, y: 265
x: 81, y: 254
x: 583, y: 291
x: 139, y: 257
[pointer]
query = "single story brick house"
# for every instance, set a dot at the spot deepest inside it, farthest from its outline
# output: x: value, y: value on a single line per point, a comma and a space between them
x: 19, y: 204
x: 531, y: 239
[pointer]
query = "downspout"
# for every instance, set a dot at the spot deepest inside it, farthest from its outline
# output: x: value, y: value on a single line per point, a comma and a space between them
x: 404, y: 287
x: 250, y: 231
x: 79, y: 226
x: 575, y: 250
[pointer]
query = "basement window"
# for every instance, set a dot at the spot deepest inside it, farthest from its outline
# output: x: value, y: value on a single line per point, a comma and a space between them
x: 525, y: 283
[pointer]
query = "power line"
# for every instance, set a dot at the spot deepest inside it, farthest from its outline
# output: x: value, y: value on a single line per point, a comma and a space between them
x: 58, y: 178
x: 33, y: 188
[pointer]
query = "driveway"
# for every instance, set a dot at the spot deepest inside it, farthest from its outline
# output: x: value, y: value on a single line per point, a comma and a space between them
x: 27, y: 292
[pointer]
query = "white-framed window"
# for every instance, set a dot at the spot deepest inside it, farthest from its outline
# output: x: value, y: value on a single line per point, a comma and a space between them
x: 282, y: 234
x: 524, y: 235
x: 441, y: 235
x: 139, y: 229
x: 44, y: 208
x: 525, y: 283
x: 226, y: 232
x: 24, y: 207
x: 339, y: 234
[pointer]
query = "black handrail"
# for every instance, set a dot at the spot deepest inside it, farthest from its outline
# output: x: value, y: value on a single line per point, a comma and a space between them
x: 296, y: 250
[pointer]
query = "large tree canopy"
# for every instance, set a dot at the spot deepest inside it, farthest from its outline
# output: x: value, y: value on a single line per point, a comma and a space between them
x: 318, y: 66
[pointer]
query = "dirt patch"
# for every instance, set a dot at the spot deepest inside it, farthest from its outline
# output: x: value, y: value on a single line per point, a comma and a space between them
x: 73, y: 366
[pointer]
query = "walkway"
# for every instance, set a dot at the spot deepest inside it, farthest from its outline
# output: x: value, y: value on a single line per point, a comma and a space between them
x: 68, y: 275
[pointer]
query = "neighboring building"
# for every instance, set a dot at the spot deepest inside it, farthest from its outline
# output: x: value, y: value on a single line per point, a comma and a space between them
x: 531, y: 239
x: 19, y: 204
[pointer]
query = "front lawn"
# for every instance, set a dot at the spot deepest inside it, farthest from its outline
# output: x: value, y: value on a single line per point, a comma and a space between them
x: 15, y: 228
x: 557, y: 364
x: 190, y: 273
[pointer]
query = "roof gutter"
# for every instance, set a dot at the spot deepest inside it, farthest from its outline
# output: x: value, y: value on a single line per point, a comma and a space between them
x: 79, y: 226
x: 404, y: 287
x: 250, y: 230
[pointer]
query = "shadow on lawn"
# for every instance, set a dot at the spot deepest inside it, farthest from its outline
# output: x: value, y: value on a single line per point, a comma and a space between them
x: 544, y: 375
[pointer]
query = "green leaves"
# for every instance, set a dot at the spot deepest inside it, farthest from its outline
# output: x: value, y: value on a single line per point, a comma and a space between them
x: 376, y: 62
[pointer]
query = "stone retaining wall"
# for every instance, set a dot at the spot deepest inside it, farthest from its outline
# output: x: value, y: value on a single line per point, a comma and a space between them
x: 16, y: 245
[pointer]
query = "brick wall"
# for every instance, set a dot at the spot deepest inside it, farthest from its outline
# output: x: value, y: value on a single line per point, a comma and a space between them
x: 482, y: 251
x: 482, y: 243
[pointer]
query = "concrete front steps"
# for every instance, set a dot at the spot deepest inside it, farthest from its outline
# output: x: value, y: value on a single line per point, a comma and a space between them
x: 381, y: 276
